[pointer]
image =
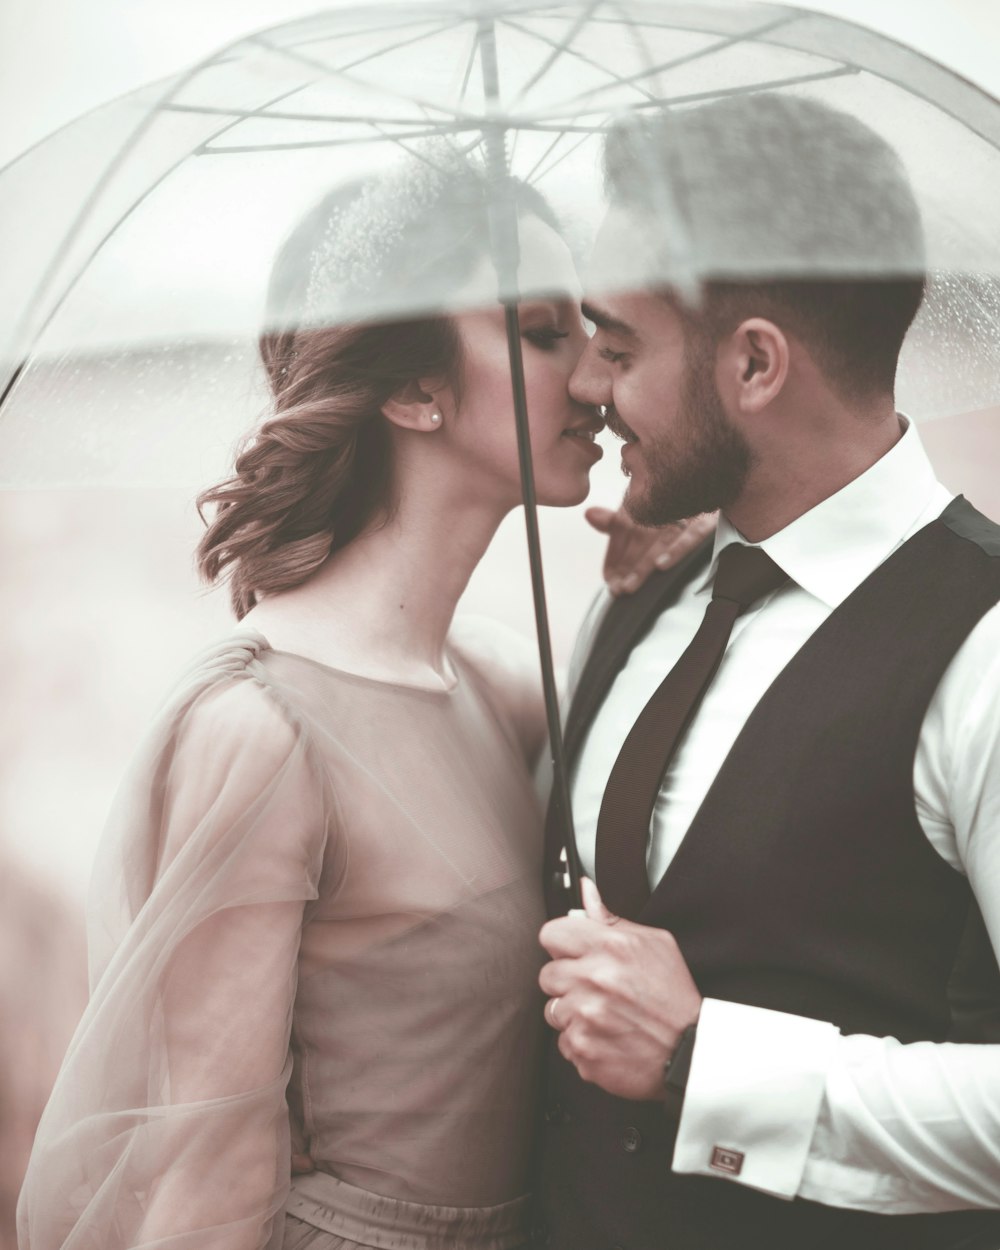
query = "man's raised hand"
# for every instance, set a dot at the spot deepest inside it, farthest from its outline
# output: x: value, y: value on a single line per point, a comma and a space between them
x: 635, y: 551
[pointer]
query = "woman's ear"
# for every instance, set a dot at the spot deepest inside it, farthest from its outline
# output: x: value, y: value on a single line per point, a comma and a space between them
x: 417, y: 406
x: 756, y: 360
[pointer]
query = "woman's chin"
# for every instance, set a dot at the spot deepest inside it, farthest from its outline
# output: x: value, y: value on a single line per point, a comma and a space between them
x: 566, y: 494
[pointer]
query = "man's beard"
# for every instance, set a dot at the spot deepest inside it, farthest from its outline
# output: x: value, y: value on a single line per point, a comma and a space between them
x: 704, y: 463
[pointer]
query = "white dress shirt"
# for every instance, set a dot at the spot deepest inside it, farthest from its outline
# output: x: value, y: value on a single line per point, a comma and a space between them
x: 856, y: 1121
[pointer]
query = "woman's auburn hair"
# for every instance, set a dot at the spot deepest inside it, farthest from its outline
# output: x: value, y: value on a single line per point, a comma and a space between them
x: 318, y: 471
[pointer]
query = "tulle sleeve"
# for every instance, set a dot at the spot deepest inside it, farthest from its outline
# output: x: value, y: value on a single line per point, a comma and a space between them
x: 168, y: 1125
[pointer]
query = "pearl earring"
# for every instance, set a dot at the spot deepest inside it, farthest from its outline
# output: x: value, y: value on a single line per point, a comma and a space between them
x: 435, y: 418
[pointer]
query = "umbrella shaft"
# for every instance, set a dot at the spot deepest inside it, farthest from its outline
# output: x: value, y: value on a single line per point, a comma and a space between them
x: 506, y: 258
x: 560, y: 778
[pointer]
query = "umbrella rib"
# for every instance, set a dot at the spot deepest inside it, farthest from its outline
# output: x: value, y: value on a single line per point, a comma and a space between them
x: 893, y: 78
x: 238, y: 115
x: 304, y: 145
x: 639, y: 44
x: 460, y: 126
x: 559, y: 47
x: 71, y: 286
x: 560, y: 129
x: 358, y: 32
x: 467, y: 78
x: 400, y: 143
x: 688, y: 58
x: 564, y: 155
x: 395, y: 47
x: 330, y: 71
x: 431, y: 132
x: 292, y: 52
x: 640, y: 23
x: 545, y: 155
x: 772, y: 85
x: 573, y: 52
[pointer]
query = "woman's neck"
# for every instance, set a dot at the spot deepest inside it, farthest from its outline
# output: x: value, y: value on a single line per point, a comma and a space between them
x: 383, y: 605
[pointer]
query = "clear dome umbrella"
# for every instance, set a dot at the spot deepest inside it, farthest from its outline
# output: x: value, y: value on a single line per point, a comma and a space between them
x: 146, y: 231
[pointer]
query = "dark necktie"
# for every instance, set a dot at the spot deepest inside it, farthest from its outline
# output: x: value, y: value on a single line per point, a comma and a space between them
x: 744, y: 575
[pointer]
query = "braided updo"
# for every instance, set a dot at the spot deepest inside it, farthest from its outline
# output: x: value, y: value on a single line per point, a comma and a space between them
x: 318, y: 470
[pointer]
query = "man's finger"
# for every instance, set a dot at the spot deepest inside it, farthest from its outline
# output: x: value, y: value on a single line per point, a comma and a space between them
x: 569, y: 937
x: 602, y: 519
x: 683, y: 539
x: 634, y: 552
x: 625, y: 556
x: 617, y: 562
x: 625, y: 540
x: 558, y: 977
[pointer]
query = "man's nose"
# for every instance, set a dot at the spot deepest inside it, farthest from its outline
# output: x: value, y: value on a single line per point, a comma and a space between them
x: 589, y: 383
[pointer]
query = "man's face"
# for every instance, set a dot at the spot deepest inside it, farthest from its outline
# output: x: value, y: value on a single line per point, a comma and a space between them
x: 656, y: 377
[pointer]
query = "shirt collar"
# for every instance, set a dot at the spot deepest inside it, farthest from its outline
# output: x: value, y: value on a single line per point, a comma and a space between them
x: 832, y: 548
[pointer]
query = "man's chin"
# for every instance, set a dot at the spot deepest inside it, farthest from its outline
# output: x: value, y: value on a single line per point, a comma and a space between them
x: 646, y: 510
x: 654, y: 506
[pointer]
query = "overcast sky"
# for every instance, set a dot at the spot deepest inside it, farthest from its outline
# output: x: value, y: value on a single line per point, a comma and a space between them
x: 59, y: 58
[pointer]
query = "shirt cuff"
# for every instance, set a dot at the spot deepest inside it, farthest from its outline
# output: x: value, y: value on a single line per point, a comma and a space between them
x: 753, y: 1095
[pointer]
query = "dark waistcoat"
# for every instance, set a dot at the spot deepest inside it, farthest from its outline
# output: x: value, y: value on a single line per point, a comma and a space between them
x: 804, y: 884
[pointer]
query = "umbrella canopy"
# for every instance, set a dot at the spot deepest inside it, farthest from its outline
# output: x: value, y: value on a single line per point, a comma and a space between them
x: 146, y: 230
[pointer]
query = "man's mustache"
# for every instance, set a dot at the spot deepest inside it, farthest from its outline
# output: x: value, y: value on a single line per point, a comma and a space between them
x: 609, y: 415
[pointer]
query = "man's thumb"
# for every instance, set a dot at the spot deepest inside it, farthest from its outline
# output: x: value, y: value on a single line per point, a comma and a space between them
x: 593, y: 904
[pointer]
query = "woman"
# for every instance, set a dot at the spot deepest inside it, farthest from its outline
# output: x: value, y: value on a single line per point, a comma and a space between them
x: 322, y: 873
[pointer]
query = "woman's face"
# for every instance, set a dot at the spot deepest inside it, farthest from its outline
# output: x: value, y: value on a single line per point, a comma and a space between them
x: 479, y: 414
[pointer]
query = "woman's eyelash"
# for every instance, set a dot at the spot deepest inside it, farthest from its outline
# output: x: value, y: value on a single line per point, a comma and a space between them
x: 545, y: 336
x: 606, y: 353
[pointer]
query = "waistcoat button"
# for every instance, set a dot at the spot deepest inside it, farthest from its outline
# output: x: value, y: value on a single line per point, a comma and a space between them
x: 631, y: 1140
x: 554, y: 1114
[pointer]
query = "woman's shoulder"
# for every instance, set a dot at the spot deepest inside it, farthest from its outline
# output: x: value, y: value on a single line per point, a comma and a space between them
x: 222, y: 791
x: 507, y: 663
x: 233, y: 655
x: 227, y: 698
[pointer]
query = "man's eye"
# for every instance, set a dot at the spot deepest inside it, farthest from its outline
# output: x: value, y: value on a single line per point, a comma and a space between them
x: 612, y: 357
x: 545, y: 336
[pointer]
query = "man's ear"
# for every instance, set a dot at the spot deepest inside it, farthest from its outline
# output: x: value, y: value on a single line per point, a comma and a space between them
x: 417, y: 406
x: 755, y: 361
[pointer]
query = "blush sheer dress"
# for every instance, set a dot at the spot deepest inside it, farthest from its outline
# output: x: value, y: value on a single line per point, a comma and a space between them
x: 314, y: 927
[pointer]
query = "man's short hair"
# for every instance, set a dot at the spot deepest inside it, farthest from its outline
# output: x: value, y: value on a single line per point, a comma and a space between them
x: 789, y: 209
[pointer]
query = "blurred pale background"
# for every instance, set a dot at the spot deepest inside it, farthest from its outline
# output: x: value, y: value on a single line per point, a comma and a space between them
x: 101, y: 604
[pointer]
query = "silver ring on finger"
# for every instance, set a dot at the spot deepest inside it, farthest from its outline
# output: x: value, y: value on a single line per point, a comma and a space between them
x: 553, y: 1003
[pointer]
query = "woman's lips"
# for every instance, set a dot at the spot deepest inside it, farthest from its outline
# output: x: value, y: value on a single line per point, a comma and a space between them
x: 585, y: 438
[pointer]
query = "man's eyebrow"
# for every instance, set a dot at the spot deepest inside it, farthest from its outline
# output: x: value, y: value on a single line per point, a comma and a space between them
x: 604, y: 321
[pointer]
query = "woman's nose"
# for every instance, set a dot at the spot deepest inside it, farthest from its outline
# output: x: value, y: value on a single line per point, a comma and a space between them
x: 588, y: 384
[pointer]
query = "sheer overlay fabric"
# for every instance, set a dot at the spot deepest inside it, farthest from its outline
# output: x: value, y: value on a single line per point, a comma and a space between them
x: 318, y: 892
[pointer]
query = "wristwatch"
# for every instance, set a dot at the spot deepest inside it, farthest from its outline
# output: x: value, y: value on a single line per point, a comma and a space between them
x: 675, y: 1074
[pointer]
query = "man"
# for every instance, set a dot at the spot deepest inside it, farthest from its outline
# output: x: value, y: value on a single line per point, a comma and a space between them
x: 786, y: 751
